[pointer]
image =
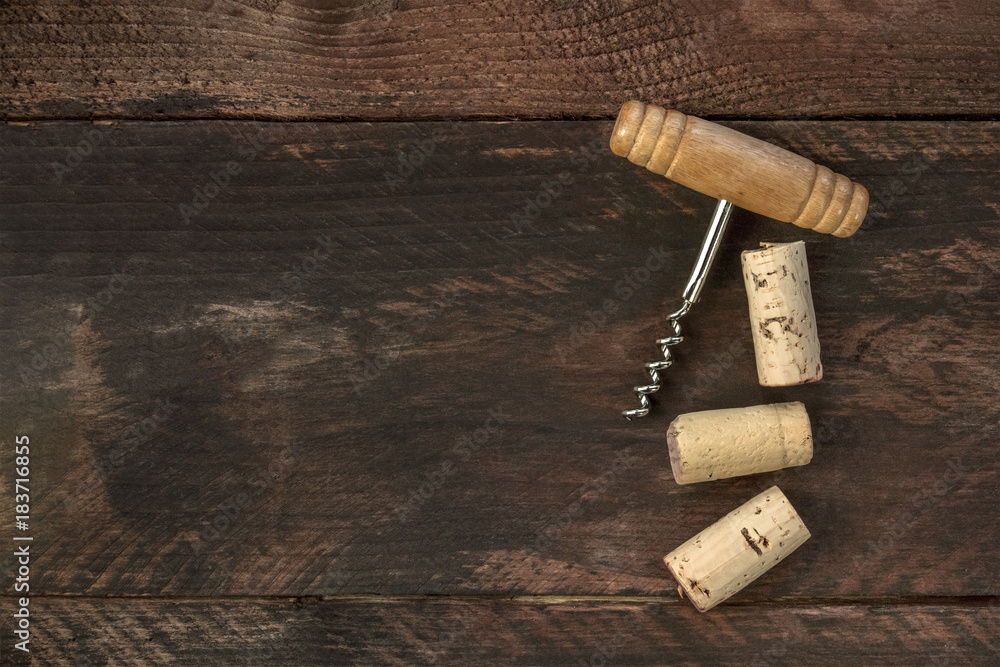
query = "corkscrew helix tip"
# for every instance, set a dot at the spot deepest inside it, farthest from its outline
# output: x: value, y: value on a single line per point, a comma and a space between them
x: 654, y: 367
x: 709, y: 248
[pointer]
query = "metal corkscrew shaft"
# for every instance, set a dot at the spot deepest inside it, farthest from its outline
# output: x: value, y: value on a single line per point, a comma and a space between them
x: 692, y: 291
x: 732, y: 167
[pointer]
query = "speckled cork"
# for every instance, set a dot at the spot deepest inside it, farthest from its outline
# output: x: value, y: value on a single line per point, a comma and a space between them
x: 722, y: 559
x: 717, y: 444
x: 782, y: 318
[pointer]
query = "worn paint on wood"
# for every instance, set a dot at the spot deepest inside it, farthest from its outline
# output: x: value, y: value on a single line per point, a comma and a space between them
x: 346, y: 371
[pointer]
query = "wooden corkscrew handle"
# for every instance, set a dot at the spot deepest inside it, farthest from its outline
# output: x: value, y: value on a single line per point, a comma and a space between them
x: 751, y: 173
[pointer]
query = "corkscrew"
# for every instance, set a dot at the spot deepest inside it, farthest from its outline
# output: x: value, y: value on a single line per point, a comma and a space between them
x: 737, y: 170
x: 709, y: 248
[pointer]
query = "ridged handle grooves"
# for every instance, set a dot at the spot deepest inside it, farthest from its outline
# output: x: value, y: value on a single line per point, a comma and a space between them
x: 726, y: 164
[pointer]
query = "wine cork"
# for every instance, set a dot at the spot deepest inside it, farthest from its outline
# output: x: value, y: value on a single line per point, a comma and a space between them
x: 721, y: 560
x: 782, y: 318
x: 717, y: 444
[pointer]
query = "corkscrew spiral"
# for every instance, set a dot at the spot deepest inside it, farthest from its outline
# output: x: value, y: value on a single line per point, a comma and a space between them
x: 692, y: 292
x: 654, y: 367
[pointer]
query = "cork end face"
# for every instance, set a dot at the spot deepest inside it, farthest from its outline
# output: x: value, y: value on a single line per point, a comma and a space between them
x: 684, y: 588
x: 627, y: 127
x: 772, y: 379
x: 673, y: 451
x: 797, y: 430
x: 768, y: 249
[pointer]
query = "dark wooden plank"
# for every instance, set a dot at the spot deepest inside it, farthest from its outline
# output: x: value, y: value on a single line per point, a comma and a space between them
x: 538, y: 59
x: 209, y: 423
x: 113, y: 631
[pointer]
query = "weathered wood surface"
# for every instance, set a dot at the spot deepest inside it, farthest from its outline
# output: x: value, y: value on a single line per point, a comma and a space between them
x: 205, y: 422
x: 88, y: 631
x: 539, y: 59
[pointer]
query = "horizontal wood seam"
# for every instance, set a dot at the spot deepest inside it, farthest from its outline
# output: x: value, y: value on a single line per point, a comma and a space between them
x: 548, y: 600
x: 332, y: 118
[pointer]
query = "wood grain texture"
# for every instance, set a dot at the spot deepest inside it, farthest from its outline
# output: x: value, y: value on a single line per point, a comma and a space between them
x: 725, y: 164
x: 348, y: 374
x: 362, y: 59
x: 89, y: 631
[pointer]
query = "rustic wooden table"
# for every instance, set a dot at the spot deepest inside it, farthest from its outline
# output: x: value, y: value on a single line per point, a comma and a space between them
x: 308, y: 379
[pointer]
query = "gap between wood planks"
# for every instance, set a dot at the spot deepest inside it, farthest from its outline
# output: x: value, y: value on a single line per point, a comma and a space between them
x: 550, y: 600
x: 487, y: 118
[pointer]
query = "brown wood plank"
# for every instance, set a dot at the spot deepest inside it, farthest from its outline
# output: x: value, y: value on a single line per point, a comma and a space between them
x: 89, y: 631
x: 539, y: 59
x: 206, y: 422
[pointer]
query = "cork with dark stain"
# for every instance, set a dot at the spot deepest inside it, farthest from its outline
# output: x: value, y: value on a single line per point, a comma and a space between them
x: 717, y: 559
x: 753, y: 545
x: 782, y: 317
